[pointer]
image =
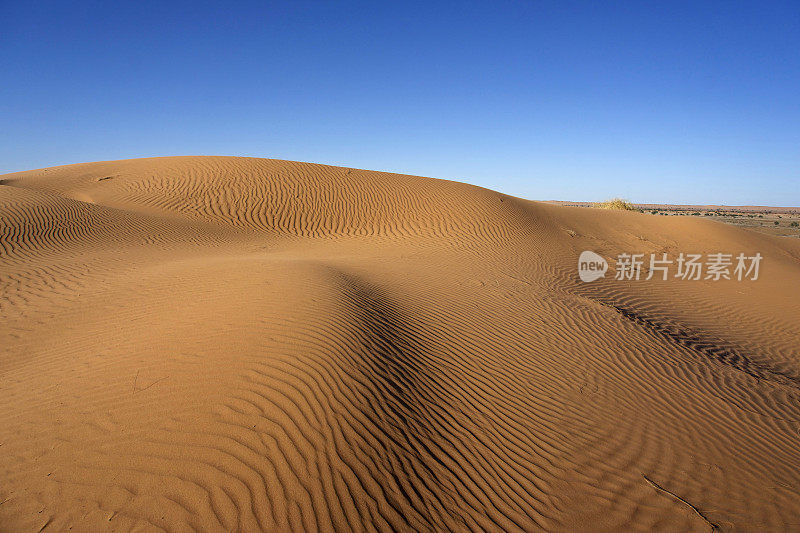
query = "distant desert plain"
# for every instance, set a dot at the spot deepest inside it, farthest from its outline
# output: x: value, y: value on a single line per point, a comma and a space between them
x: 221, y: 344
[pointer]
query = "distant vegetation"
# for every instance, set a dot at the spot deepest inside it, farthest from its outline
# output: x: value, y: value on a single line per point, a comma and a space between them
x: 617, y: 203
x: 766, y: 220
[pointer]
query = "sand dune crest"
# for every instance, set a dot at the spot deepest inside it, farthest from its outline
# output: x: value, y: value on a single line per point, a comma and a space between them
x: 248, y: 344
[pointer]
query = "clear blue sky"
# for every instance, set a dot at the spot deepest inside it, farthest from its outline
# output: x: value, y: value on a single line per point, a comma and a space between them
x: 655, y: 101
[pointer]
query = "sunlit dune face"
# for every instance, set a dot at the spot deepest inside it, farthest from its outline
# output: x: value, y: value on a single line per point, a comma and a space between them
x: 251, y: 344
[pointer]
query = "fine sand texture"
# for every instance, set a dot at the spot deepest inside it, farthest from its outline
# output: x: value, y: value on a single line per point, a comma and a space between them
x: 222, y: 344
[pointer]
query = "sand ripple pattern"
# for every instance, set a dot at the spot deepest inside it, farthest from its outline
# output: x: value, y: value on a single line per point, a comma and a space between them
x: 237, y: 344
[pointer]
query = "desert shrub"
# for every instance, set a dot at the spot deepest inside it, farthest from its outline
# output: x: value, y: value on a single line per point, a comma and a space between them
x: 617, y: 203
x: 794, y: 224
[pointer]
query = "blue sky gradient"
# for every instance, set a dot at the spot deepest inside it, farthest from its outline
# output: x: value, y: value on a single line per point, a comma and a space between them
x: 695, y: 102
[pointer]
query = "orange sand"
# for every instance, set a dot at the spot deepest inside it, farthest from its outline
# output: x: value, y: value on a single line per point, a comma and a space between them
x: 226, y: 344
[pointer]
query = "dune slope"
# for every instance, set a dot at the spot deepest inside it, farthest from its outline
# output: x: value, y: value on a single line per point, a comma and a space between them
x: 226, y: 344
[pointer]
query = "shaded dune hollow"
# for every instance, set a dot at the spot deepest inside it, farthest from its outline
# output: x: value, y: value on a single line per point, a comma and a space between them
x: 238, y: 344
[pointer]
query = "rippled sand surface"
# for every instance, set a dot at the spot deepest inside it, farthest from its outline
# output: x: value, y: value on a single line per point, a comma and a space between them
x: 217, y: 344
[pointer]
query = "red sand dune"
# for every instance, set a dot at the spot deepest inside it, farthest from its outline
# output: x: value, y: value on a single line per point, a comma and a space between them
x: 227, y: 343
